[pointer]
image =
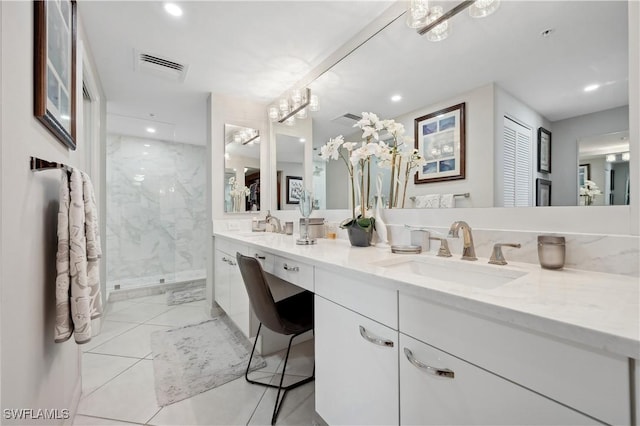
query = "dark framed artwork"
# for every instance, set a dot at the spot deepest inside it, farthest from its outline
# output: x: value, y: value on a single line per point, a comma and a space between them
x: 584, y: 174
x: 294, y: 189
x: 55, y: 35
x: 440, y: 138
x: 543, y: 192
x: 544, y: 150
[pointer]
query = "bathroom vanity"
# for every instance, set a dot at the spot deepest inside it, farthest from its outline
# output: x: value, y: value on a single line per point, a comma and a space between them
x: 416, y: 339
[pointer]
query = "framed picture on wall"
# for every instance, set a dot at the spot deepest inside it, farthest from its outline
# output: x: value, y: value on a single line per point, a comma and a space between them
x: 543, y: 192
x: 294, y: 189
x: 544, y: 150
x: 440, y: 138
x: 584, y: 173
x: 55, y: 68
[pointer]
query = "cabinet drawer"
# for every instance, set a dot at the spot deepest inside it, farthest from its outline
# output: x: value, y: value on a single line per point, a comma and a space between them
x: 230, y: 247
x: 588, y: 380
x: 298, y: 273
x: 439, y: 389
x: 265, y: 258
x: 356, y: 367
x: 376, y: 302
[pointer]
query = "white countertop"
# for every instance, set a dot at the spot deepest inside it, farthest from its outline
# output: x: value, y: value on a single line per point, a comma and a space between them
x: 596, y: 309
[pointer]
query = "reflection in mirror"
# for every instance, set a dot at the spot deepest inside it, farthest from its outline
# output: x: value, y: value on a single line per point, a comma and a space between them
x: 513, y: 72
x: 289, y: 167
x: 603, y: 170
x: 241, y: 169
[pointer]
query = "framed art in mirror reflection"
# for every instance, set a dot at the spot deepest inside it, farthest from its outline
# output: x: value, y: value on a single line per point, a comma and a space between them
x: 440, y: 138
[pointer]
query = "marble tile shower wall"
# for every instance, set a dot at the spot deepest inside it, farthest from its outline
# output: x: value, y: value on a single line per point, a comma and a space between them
x: 156, y: 212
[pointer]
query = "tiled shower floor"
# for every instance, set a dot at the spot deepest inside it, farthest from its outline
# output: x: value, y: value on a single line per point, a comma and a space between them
x: 118, y: 383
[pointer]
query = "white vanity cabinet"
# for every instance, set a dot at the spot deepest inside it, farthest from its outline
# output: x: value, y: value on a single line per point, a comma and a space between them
x: 356, y: 367
x: 230, y: 292
x: 439, y: 389
x: 356, y: 348
x: 508, y: 368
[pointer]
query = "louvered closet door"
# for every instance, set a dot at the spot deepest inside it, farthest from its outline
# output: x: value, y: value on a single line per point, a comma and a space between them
x: 517, y: 164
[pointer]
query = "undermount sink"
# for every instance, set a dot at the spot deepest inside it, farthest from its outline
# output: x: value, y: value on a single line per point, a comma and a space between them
x: 468, y: 273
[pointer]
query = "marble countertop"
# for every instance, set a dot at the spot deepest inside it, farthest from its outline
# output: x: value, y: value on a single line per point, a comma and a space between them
x: 595, y: 309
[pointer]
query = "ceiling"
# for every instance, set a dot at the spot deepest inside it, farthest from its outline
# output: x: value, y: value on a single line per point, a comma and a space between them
x: 258, y: 50
x: 249, y: 49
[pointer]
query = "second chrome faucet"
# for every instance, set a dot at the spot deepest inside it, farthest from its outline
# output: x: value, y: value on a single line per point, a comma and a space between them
x: 468, y: 250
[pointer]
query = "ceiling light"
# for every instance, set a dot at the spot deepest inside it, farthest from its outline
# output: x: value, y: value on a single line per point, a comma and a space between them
x: 626, y: 156
x: 482, y: 8
x: 437, y: 25
x: 151, y: 130
x: 610, y: 158
x: 417, y: 11
x: 591, y: 87
x: 173, y: 9
x: 440, y: 31
x: 295, y: 106
x: 396, y: 98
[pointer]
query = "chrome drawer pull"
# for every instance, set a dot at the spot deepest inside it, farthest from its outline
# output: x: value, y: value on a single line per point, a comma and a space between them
x: 291, y: 268
x: 440, y: 372
x: 225, y: 260
x: 231, y: 262
x: 257, y: 256
x: 375, y: 340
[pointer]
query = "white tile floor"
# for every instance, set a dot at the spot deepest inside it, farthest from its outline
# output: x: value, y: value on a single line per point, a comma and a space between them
x: 118, y: 382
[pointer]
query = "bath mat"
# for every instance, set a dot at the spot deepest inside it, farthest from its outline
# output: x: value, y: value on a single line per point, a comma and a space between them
x: 185, y: 295
x: 195, y: 358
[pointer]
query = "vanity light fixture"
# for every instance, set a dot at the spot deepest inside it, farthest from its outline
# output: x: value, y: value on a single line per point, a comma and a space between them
x: 610, y: 158
x: 626, y: 156
x: 436, y: 21
x: 295, y: 106
x: 246, y: 136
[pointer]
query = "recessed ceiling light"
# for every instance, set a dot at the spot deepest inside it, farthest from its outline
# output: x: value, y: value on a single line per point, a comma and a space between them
x: 591, y: 87
x: 396, y: 98
x: 173, y: 9
x: 303, y: 140
x: 151, y: 130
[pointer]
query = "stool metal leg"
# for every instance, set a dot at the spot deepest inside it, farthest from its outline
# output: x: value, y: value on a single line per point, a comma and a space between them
x: 283, y: 389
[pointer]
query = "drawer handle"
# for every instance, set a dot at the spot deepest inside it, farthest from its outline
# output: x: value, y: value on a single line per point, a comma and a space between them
x: 231, y: 262
x: 440, y: 372
x: 291, y: 268
x: 225, y: 260
x: 257, y: 256
x: 375, y: 340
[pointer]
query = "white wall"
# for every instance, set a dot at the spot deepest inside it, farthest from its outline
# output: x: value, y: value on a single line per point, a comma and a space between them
x: 564, y: 148
x: 35, y: 372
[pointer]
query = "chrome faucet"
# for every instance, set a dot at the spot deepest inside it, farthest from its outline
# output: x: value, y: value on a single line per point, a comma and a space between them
x: 269, y: 219
x: 468, y: 251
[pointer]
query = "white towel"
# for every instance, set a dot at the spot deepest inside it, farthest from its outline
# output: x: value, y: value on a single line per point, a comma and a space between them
x: 430, y: 201
x: 447, y: 201
x: 77, y: 280
x: 64, y: 326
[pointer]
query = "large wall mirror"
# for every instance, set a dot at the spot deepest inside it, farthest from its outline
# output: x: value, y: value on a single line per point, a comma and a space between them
x: 241, y: 169
x: 557, y: 65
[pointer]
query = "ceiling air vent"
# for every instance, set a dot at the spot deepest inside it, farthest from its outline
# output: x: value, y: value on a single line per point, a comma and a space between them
x: 347, y: 119
x: 159, y: 66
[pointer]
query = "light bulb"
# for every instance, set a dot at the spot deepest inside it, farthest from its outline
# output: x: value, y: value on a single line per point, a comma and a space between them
x: 610, y: 158
x: 626, y: 156
x: 313, y: 103
x: 273, y: 113
x: 482, y: 8
x: 291, y: 121
x: 296, y: 96
x: 284, y: 105
x: 442, y: 30
x: 237, y: 138
x: 417, y: 12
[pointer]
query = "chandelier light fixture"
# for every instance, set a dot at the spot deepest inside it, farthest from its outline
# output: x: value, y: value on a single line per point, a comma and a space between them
x: 434, y: 21
x: 297, y: 105
x: 246, y: 136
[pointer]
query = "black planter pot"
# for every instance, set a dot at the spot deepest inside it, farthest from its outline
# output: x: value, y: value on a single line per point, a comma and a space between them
x: 359, y: 236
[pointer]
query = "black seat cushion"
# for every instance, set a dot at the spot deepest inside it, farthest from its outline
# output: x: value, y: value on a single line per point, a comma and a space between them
x: 296, y: 312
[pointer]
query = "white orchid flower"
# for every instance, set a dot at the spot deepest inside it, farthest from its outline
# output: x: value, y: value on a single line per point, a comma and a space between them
x: 349, y: 145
